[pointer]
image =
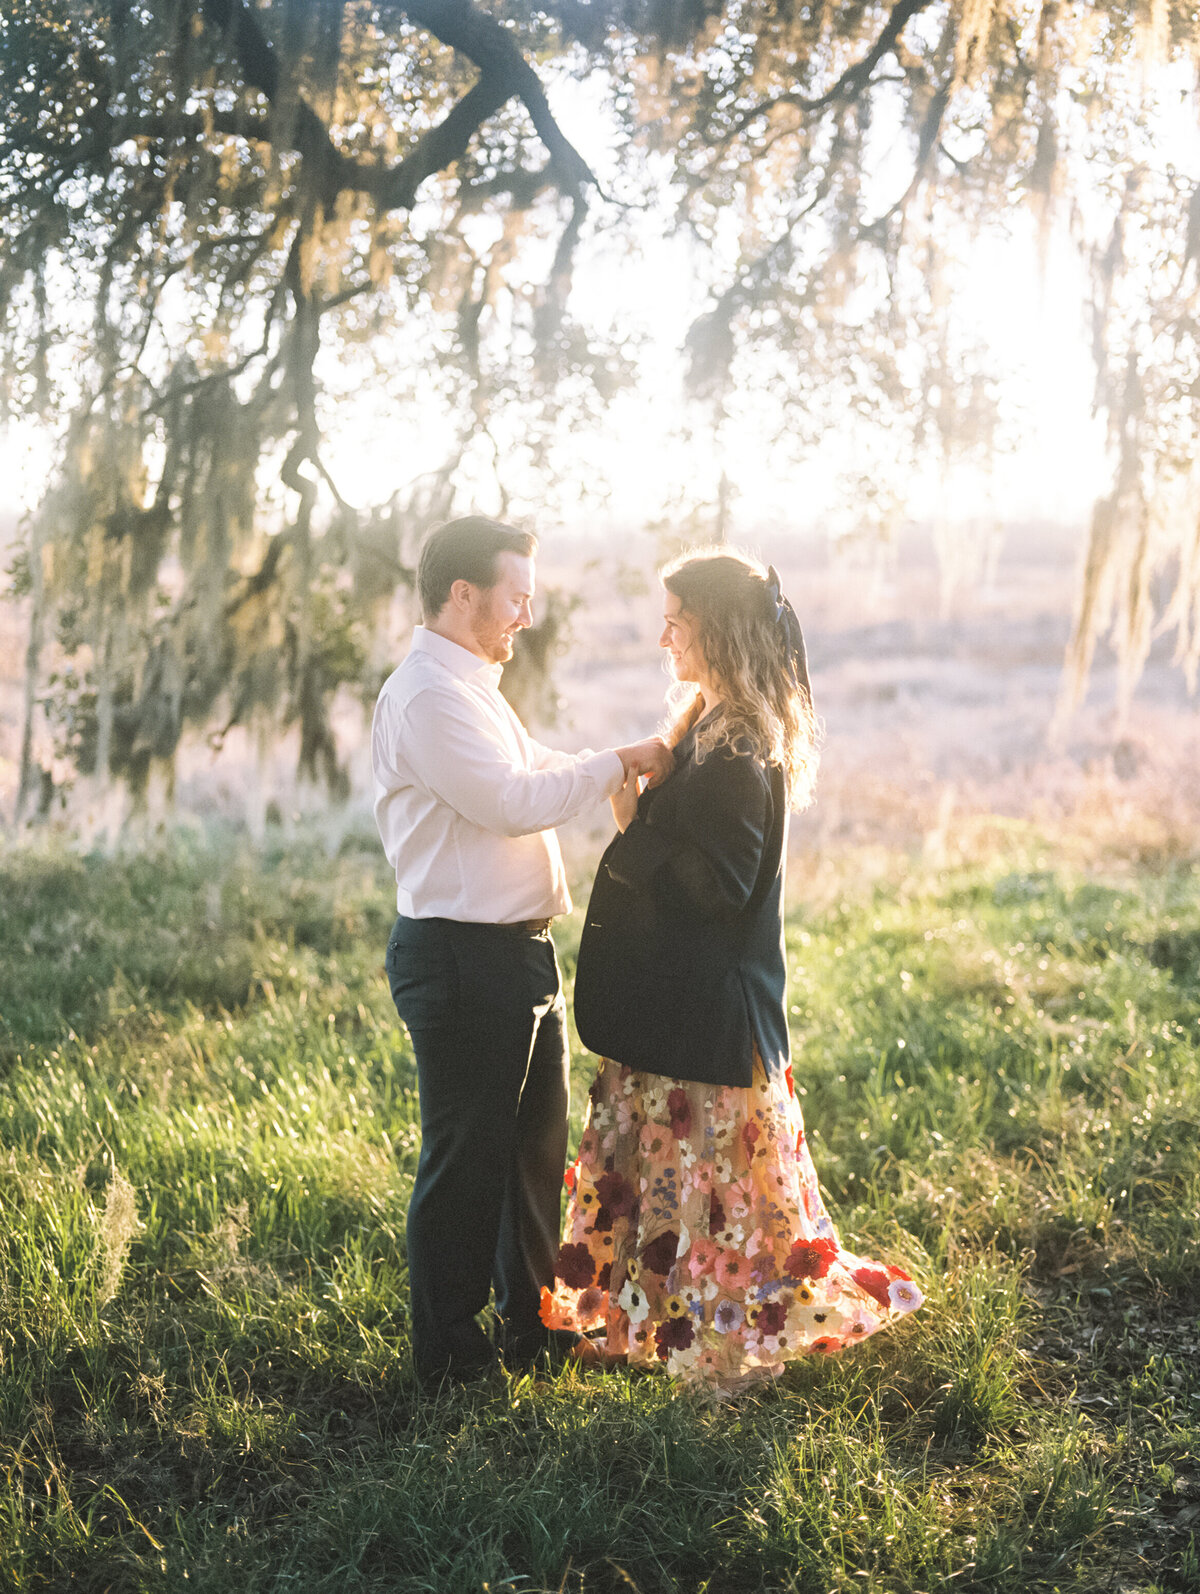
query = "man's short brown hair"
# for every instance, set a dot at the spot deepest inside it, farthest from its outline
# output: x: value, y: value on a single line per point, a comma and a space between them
x: 465, y: 550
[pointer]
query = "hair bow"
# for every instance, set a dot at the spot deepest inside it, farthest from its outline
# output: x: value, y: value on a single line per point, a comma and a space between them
x: 789, y: 628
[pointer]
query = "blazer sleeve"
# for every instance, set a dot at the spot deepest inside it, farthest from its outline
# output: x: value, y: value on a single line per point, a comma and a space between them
x: 711, y: 846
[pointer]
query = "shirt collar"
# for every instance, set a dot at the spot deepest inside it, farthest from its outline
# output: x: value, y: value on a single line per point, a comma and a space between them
x: 458, y: 660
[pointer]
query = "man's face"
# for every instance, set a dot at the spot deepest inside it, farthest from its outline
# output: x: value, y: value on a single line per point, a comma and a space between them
x: 500, y: 611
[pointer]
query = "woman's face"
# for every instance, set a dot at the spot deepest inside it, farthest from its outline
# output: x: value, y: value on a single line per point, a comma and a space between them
x: 681, y: 639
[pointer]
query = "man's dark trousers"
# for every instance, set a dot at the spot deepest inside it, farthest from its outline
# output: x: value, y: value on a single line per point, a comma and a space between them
x: 483, y: 1005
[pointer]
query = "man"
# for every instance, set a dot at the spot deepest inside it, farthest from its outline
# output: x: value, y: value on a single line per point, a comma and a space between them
x: 466, y: 803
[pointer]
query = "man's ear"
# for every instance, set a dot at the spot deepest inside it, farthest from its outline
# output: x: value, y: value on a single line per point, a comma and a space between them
x: 460, y: 594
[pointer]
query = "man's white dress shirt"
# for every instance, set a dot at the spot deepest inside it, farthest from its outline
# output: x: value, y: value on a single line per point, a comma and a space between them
x: 465, y: 799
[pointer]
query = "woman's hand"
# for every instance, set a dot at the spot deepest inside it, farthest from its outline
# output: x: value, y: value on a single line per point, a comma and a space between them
x: 624, y: 802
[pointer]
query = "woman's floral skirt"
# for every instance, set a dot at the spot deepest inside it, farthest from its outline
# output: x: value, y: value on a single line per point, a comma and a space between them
x: 697, y: 1238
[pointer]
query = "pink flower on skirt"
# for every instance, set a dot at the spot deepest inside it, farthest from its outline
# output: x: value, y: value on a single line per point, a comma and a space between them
x: 733, y: 1269
x: 703, y: 1258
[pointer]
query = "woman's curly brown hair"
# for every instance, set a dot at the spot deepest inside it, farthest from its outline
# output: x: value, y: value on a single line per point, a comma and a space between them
x: 726, y: 595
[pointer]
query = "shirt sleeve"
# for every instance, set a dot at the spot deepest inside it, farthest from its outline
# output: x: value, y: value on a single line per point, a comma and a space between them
x: 550, y: 757
x: 451, y: 751
x: 712, y: 847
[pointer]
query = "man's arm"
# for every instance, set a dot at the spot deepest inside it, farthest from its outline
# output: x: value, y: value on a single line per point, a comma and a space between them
x: 651, y: 757
x: 451, y: 752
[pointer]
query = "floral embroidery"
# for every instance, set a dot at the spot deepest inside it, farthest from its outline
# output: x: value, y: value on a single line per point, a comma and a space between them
x: 875, y: 1281
x: 660, y: 1253
x: 904, y: 1295
x: 728, y: 1317
x: 731, y: 1268
x: 810, y: 1259
x: 673, y: 1334
x: 680, y: 1110
x: 617, y: 1195
x: 697, y: 1237
x: 575, y: 1266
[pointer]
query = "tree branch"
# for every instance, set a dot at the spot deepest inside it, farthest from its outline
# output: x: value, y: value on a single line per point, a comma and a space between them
x: 852, y: 81
x: 521, y: 185
x: 442, y: 145
x: 504, y: 74
x: 709, y: 343
x: 259, y: 67
x: 496, y: 53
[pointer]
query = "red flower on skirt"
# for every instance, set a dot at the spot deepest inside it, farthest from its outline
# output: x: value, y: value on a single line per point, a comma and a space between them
x: 773, y: 1318
x: 875, y: 1281
x: 810, y: 1259
x: 680, y: 1109
x: 575, y: 1266
x: 617, y: 1195
x: 659, y: 1255
x: 677, y: 1333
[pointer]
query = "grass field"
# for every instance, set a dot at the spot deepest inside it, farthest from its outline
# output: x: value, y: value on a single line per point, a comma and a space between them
x: 207, y: 1139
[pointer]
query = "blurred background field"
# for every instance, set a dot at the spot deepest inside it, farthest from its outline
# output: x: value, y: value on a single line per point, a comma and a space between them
x: 938, y: 688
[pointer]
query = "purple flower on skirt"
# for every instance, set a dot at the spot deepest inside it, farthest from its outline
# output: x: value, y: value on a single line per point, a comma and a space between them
x: 590, y: 1302
x: 617, y: 1195
x: 728, y: 1317
x: 904, y: 1295
x: 762, y: 1273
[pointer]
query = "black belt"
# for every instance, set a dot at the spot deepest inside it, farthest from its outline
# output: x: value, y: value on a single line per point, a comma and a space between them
x: 533, y: 928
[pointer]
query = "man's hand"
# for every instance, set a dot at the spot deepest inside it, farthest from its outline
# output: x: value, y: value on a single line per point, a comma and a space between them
x: 652, y: 758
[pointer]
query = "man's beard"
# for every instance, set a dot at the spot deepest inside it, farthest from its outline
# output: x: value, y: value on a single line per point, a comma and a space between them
x: 493, y: 642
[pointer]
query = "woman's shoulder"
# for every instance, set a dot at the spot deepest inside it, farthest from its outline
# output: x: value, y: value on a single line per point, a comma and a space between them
x: 730, y: 775
x: 734, y: 749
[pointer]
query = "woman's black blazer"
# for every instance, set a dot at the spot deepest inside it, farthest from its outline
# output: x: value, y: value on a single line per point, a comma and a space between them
x: 681, y: 966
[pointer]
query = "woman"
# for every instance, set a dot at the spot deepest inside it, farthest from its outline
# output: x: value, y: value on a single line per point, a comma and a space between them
x: 695, y: 1235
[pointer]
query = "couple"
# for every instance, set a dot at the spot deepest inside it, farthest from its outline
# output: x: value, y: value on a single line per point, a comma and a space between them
x: 696, y: 1238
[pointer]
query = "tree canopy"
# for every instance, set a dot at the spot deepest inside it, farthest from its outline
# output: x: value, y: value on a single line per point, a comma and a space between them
x: 220, y: 220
